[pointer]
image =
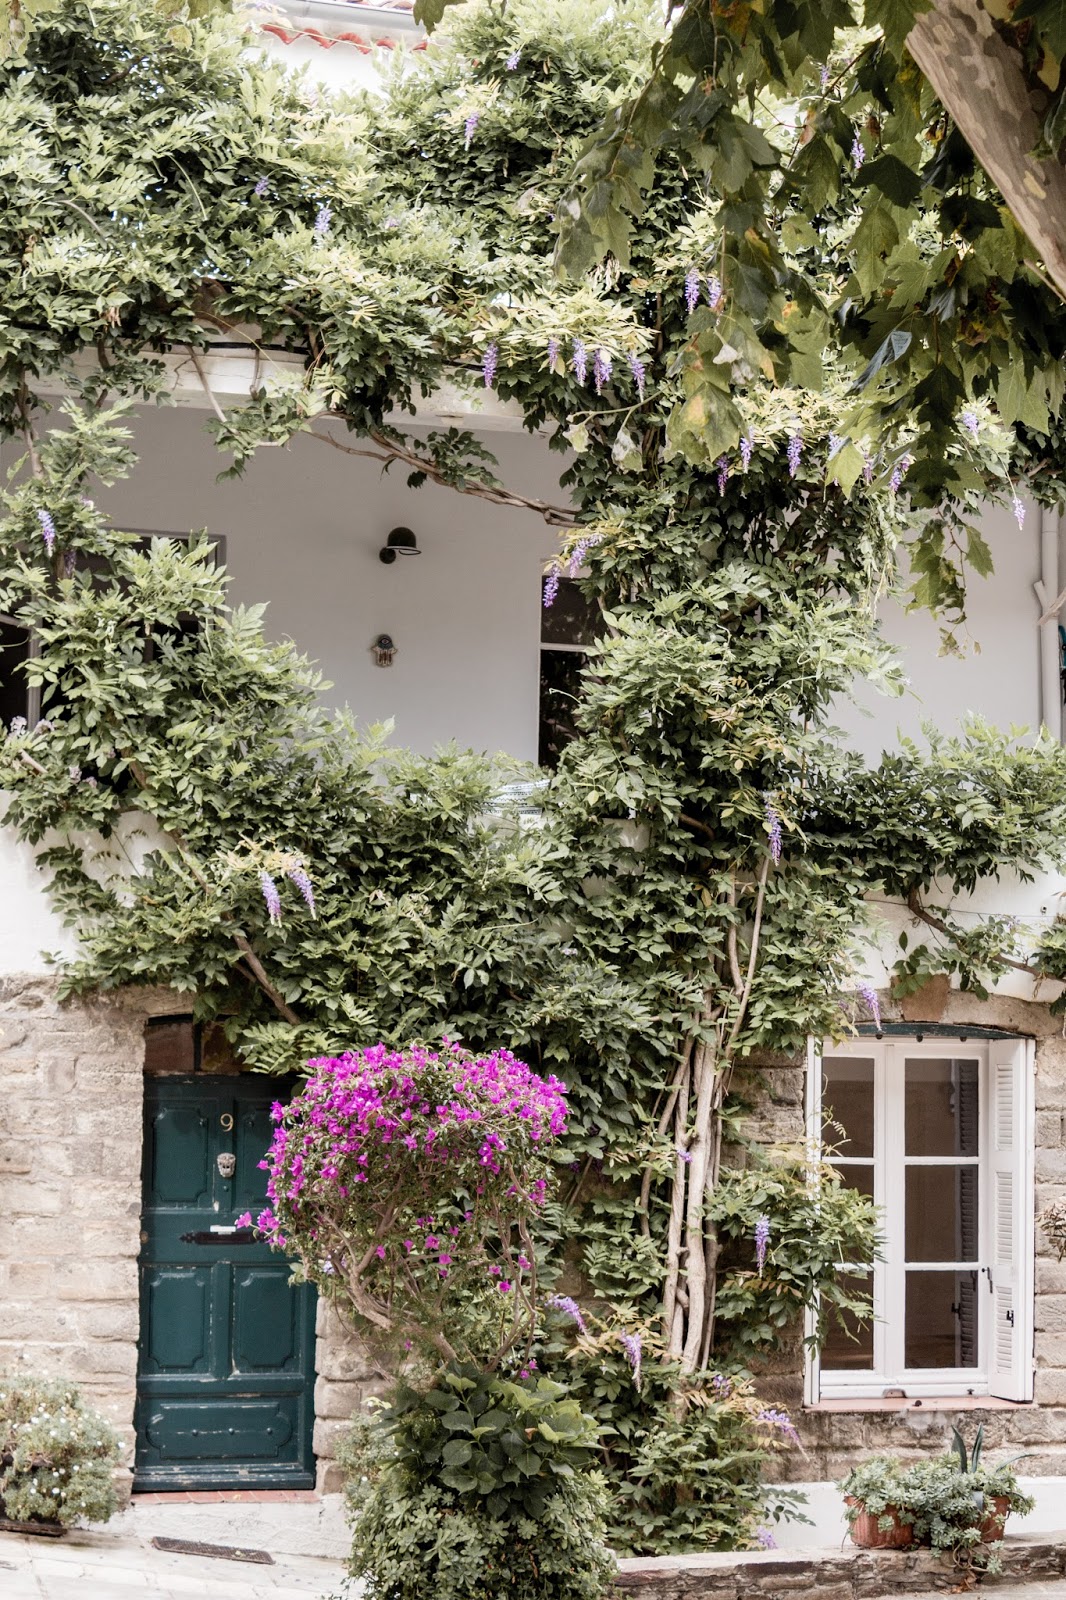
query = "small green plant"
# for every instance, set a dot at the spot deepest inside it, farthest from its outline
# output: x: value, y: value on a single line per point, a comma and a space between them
x: 950, y: 1500
x: 57, y: 1457
x: 478, y: 1489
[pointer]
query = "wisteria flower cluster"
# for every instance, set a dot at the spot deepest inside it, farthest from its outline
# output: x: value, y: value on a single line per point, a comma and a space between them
x: 408, y: 1182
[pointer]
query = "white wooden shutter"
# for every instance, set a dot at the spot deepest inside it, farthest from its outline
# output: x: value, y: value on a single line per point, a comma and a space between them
x: 1010, y: 1213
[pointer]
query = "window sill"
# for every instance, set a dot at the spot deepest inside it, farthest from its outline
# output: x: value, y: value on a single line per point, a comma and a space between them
x: 962, y: 1402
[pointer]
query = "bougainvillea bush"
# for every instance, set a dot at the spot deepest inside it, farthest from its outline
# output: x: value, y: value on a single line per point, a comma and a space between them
x: 57, y: 1457
x: 408, y: 1181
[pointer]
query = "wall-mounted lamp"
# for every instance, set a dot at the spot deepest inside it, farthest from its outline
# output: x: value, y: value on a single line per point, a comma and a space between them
x: 400, y: 542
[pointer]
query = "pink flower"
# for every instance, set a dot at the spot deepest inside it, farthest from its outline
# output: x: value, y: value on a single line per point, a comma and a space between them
x: 504, y: 1286
x: 525, y: 1263
x: 445, y: 1259
x: 380, y: 1252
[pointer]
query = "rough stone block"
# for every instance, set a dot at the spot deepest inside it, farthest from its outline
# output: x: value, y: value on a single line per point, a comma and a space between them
x: 337, y: 1401
x: 326, y: 1437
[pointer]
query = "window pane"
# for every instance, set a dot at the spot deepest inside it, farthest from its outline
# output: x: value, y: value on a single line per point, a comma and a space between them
x: 941, y: 1327
x: 861, y: 1178
x: 14, y: 689
x: 942, y: 1108
x: 848, y: 1104
x: 560, y: 689
x: 571, y: 618
x: 850, y: 1347
x: 941, y: 1217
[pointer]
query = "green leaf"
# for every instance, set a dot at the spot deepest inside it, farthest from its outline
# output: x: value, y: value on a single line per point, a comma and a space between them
x: 896, y: 181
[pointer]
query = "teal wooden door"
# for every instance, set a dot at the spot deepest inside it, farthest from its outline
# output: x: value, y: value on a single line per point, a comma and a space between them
x: 225, y: 1380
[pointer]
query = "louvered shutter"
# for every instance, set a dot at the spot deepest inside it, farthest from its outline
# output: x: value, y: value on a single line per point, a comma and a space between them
x: 1010, y: 1174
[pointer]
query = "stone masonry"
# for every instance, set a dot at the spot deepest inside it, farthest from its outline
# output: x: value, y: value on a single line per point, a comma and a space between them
x: 71, y: 1096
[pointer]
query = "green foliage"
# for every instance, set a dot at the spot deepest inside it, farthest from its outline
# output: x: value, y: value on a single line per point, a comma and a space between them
x: 815, y: 1223
x: 475, y: 1490
x: 57, y: 1457
x: 949, y: 1505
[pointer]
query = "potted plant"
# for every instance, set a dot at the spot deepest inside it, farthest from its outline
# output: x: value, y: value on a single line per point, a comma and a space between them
x: 57, y: 1457
x: 877, y: 1509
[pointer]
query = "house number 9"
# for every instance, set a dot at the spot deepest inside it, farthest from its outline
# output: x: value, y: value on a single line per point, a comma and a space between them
x: 226, y: 1120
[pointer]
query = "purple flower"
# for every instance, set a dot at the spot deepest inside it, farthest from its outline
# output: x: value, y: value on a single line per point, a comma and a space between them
x: 601, y: 369
x: 722, y: 1386
x: 262, y: 188
x: 899, y: 471
x: 634, y: 1351
x: 270, y: 895
x: 692, y: 289
x: 858, y: 154
x: 551, y: 588
x: 48, y: 530
x: 867, y: 467
x: 580, y: 361
x: 773, y: 828
x: 747, y: 447
x: 795, y: 450
x: 685, y: 1156
x: 323, y: 218
x: 723, y: 473
x: 781, y: 1421
x: 488, y: 364
x: 569, y: 1308
x: 298, y: 876
x: 470, y: 127
x: 512, y: 60
x: 1017, y: 505
x: 868, y: 994
x: 762, y: 1239
x: 835, y: 442
x: 765, y: 1538
x: 972, y: 425
x: 823, y: 77
x: 580, y: 551
x: 553, y: 351
x: 714, y: 291
x: 636, y: 367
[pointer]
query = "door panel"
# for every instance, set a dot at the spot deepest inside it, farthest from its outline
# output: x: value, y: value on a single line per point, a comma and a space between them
x: 226, y: 1374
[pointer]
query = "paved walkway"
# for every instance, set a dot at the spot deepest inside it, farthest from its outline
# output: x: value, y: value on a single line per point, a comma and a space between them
x: 119, y: 1562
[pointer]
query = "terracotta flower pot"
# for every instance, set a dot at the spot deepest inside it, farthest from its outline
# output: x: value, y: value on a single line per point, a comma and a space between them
x: 868, y: 1535
x: 994, y: 1519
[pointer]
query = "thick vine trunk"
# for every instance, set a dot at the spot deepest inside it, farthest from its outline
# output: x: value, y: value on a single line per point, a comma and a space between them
x: 980, y: 80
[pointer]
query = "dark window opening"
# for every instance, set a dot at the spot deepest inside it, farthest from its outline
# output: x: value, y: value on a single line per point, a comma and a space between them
x: 14, y: 685
x: 567, y: 627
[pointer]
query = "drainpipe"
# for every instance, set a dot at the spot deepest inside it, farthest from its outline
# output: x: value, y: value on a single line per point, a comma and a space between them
x: 1047, y: 589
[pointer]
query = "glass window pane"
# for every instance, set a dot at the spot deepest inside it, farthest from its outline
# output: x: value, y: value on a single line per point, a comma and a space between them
x: 571, y: 618
x: 942, y: 1099
x: 941, y: 1216
x: 560, y: 691
x: 861, y: 1178
x: 848, y: 1105
x: 849, y: 1346
x: 14, y: 687
x: 941, y: 1325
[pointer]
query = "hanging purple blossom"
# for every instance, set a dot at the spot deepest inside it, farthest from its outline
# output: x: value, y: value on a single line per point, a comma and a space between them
x: 553, y: 351
x: 48, y: 530
x: 551, y: 588
x: 684, y: 1156
x: 512, y: 60
x: 858, y: 154
x: 634, y: 1351
x: 970, y: 422
x: 692, y: 289
x: 637, y: 368
x: 747, y: 447
x: 762, y: 1239
x: 714, y: 292
x: 835, y: 442
x: 781, y: 1421
x: 297, y: 875
x: 470, y: 127
x: 270, y: 895
x: 1017, y: 505
x: 795, y: 450
x: 868, y: 994
x: 580, y: 361
x: 773, y: 828
x: 601, y: 369
x: 323, y: 219
x: 262, y: 188
x: 722, y: 1386
x: 580, y: 551
x: 569, y: 1308
x: 488, y: 364
x: 899, y: 472
x: 867, y: 467
x: 823, y: 77
x: 764, y: 1538
x: 722, y: 465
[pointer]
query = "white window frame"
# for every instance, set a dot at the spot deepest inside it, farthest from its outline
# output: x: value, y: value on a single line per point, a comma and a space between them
x: 1006, y: 1206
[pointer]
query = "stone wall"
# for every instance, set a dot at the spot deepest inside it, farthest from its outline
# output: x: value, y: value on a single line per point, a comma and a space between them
x: 71, y: 1101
